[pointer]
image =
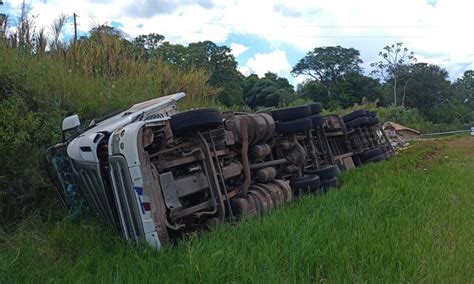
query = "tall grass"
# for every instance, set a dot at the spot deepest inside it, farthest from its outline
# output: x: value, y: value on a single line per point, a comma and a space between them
x: 404, y: 220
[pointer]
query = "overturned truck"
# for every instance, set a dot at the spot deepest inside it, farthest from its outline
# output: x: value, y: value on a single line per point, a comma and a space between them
x: 153, y: 173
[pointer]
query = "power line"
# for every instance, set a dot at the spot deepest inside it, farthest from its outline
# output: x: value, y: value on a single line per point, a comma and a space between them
x: 297, y: 35
x: 334, y: 26
x: 309, y: 36
x: 300, y: 26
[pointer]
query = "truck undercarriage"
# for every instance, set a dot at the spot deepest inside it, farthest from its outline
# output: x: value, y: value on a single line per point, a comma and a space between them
x: 165, y: 177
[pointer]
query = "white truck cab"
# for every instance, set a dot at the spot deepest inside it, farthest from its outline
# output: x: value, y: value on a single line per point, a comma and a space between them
x: 107, y: 181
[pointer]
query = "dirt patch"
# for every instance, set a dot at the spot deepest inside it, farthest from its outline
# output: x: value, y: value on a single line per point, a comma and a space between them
x: 437, y: 151
x: 466, y: 145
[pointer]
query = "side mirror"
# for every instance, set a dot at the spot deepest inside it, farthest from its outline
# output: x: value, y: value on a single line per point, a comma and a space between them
x: 71, y: 122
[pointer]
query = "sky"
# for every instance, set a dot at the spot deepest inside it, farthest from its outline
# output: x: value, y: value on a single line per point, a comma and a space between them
x: 273, y: 35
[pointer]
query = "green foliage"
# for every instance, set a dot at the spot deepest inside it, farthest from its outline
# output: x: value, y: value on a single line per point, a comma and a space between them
x: 406, y: 116
x: 353, y: 89
x: 407, y: 218
x: 328, y: 65
x: 269, y: 91
x: 216, y: 60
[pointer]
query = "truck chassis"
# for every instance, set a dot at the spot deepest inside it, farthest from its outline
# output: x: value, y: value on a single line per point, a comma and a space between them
x: 154, y: 174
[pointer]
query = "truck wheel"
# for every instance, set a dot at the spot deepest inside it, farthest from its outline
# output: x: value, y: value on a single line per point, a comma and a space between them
x: 356, y: 160
x: 375, y: 159
x: 286, y: 114
x: 305, y: 184
x: 324, y: 173
x: 373, y: 121
x: 369, y: 154
x: 357, y: 122
x: 318, y: 120
x: 326, y: 184
x: 196, y: 119
x: 295, y: 126
x: 370, y: 113
x: 353, y: 115
x: 384, y: 148
x: 316, y: 108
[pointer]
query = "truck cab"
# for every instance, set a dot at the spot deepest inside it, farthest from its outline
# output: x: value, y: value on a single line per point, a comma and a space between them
x: 101, y: 165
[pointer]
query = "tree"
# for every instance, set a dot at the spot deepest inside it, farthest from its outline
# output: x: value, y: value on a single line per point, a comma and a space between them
x: 428, y: 88
x: 353, y: 89
x: 328, y: 65
x: 465, y: 87
x: 269, y: 91
x: 222, y: 67
x: 150, y: 42
x: 393, y: 66
x: 173, y: 54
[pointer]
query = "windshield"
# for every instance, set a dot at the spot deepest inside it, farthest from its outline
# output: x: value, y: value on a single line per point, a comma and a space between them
x: 59, y: 168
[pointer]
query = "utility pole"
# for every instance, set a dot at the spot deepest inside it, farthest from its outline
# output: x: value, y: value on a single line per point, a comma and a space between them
x: 75, y: 27
x: 75, y: 40
x: 3, y: 18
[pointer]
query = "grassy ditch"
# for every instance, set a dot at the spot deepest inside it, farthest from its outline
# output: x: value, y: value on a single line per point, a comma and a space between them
x: 407, y: 219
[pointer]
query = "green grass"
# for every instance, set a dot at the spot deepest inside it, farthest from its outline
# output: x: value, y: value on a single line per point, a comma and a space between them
x: 409, y: 219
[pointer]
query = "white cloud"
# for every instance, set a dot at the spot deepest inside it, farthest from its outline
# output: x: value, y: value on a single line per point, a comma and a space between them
x: 437, y: 32
x: 275, y: 61
x: 238, y: 49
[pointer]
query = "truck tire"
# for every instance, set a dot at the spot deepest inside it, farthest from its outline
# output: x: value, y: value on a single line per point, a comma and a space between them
x: 326, y: 184
x: 318, y: 120
x: 370, y: 113
x: 356, y: 160
x: 325, y: 173
x: 287, y: 114
x: 373, y: 121
x: 384, y: 148
x: 316, y: 108
x: 369, y: 154
x: 375, y: 159
x: 353, y: 115
x: 295, y: 126
x: 360, y: 121
x: 196, y: 119
x: 305, y: 184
